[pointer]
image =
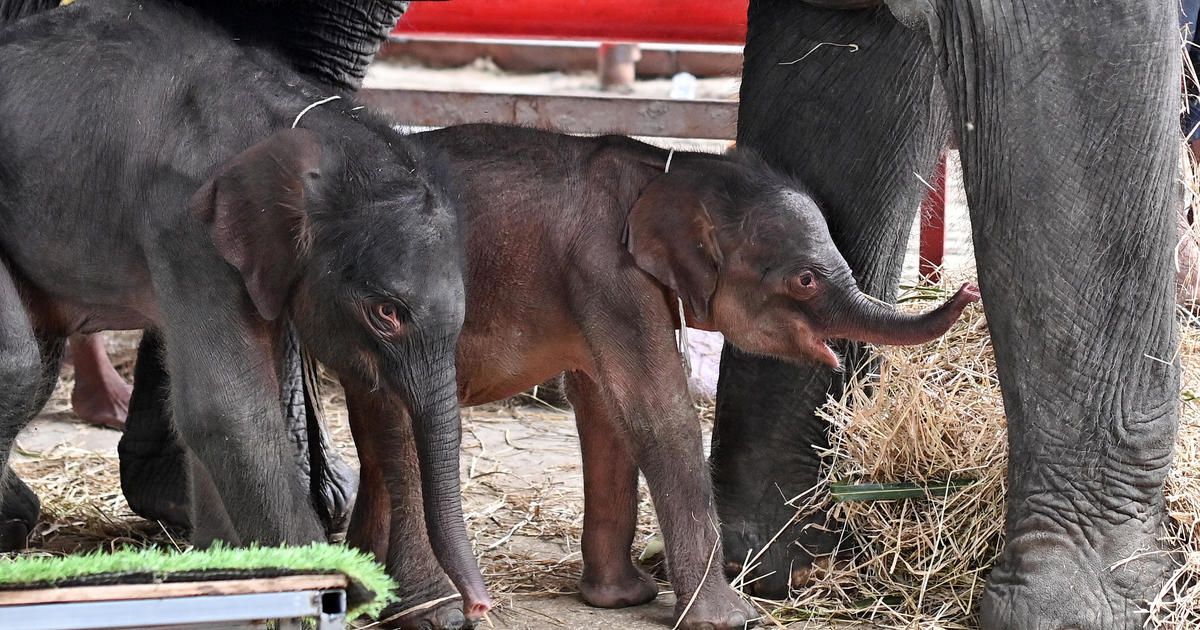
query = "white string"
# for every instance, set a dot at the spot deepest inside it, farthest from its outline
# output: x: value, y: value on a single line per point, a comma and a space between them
x: 307, y: 109
x: 670, y: 154
x: 682, y: 340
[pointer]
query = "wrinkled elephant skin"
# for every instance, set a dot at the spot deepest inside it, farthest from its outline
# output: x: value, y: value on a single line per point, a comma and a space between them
x: 1071, y: 197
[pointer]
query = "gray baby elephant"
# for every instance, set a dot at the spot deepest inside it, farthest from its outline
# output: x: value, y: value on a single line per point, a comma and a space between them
x: 155, y: 174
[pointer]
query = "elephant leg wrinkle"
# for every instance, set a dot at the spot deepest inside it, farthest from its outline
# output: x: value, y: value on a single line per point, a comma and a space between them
x: 1089, y: 384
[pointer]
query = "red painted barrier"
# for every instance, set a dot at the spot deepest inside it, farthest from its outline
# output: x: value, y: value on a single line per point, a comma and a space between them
x: 642, y: 21
x: 933, y: 227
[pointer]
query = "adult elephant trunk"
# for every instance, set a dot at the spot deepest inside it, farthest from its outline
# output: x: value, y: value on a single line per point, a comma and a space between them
x: 332, y: 41
x: 437, y: 427
x: 861, y: 318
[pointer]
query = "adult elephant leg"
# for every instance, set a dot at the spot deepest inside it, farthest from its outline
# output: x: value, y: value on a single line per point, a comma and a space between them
x: 155, y: 464
x: 855, y: 125
x: 332, y: 483
x: 1067, y: 116
x: 28, y: 370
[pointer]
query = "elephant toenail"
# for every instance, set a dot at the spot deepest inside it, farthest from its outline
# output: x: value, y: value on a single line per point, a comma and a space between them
x: 452, y: 619
x: 455, y: 622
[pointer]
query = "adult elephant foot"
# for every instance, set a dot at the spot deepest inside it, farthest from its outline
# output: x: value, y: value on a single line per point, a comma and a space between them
x: 781, y: 565
x: 18, y: 511
x: 752, y: 443
x: 1107, y: 587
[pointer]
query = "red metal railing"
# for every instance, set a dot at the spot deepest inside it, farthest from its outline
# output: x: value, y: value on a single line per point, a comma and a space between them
x: 665, y: 21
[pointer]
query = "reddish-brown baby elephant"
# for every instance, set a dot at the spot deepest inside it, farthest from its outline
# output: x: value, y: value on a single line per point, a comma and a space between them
x: 582, y: 254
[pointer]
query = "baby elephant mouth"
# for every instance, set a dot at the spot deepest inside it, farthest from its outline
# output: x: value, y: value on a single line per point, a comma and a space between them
x: 818, y: 349
x: 810, y: 344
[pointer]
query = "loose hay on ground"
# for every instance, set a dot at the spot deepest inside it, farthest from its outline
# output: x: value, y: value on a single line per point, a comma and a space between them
x: 936, y: 414
x: 83, y: 509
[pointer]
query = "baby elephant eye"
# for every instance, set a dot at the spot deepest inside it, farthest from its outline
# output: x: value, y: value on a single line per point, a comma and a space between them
x: 384, y: 317
x: 803, y: 285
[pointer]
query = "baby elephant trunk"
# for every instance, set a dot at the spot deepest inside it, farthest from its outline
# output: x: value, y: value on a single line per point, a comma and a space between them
x: 437, y: 427
x: 864, y: 319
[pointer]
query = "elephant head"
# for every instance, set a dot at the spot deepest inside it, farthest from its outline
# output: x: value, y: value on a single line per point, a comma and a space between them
x: 363, y: 255
x: 749, y: 254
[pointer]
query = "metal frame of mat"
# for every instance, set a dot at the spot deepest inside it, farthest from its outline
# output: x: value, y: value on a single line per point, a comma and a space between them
x: 225, y: 604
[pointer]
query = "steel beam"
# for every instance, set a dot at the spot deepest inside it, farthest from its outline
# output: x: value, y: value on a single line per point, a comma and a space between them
x: 212, y: 611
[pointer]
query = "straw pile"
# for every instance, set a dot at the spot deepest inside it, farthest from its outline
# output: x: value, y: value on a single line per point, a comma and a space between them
x: 936, y: 414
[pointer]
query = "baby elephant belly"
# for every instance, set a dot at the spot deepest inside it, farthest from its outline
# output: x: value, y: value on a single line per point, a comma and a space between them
x: 487, y: 374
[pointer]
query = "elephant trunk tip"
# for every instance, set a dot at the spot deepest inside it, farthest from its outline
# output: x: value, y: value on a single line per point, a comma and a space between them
x: 967, y: 294
x: 476, y: 606
x: 944, y: 317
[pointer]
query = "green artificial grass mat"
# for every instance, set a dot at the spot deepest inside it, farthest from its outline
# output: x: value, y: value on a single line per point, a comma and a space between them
x: 370, y: 588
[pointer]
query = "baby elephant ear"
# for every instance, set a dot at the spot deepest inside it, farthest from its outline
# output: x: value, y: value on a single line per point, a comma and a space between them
x: 254, y: 211
x: 672, y: 237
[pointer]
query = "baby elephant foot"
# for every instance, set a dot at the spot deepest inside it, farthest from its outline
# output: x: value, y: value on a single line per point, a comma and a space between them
x: 632, y: 587
x: 427, y: 599
x: 444, y: 615
x: 14, y: 533
x: 18, y: 513
x: 720, y: 609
